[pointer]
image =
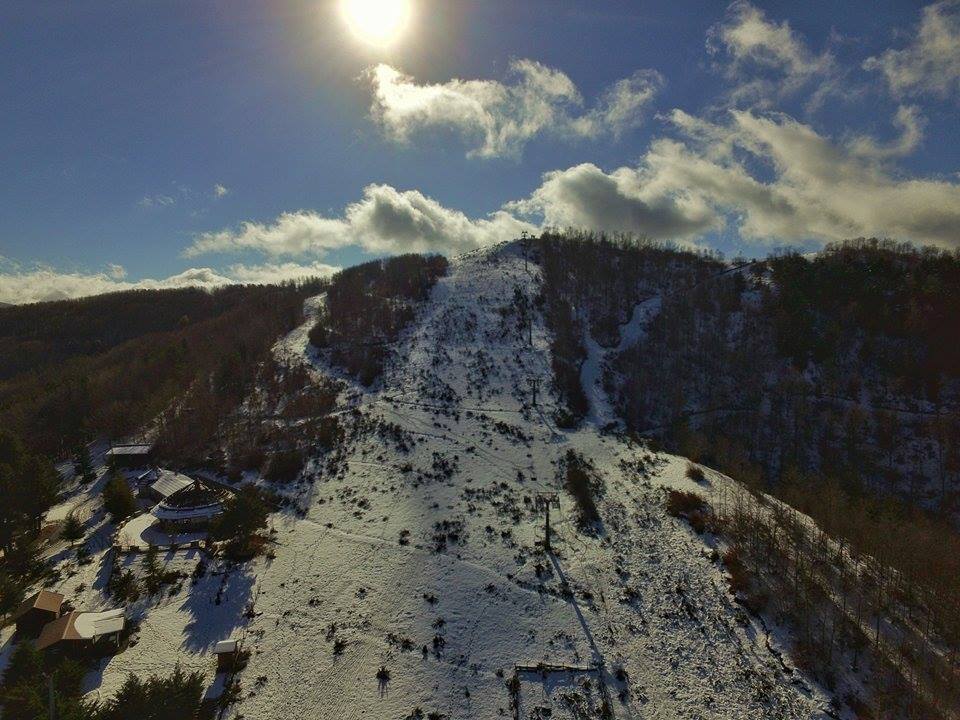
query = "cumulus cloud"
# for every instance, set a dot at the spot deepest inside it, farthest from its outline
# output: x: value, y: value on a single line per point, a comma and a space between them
x: 385, y: 220
x: 776, y: 178
x: 930, y: 63
x: 501, y: 117
x: 220, y: 191
x: 767, y: 60
x: 623, y: 201
x: 37, y: 284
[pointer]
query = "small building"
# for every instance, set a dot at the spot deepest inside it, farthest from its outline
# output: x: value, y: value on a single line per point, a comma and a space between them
x: 167, y: 483
x: 37, y: 611
x: 227, y: 652
x: 130, y: 456
x: 77, y: 633
x: 191, y: 508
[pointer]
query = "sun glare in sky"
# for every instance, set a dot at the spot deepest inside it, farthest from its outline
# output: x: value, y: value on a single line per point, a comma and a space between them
x: 376, y: 22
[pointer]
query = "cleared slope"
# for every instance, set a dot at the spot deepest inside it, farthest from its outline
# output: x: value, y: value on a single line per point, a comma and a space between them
x: 420, y: 555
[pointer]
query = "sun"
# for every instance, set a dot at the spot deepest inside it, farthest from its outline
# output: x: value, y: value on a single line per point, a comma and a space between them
x: 376, y: 22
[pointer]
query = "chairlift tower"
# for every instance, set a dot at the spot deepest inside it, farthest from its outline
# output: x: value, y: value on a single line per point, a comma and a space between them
x: 543, y: 502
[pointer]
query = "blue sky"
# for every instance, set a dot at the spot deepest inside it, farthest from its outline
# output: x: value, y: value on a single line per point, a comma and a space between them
x: 165, y: 143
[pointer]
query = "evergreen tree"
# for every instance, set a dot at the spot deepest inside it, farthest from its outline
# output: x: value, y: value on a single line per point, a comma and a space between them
x: 172, y: 698
x: 28, y: 486
x: 25, y: 692
x: 11, y: 593
x: 118, y: 498
x: 244, y: 516
x: 72, y: 528
x: 83, y: 464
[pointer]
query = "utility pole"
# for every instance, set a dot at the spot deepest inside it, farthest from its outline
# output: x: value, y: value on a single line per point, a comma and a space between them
x: 544, y: 501
x: 523, y: 238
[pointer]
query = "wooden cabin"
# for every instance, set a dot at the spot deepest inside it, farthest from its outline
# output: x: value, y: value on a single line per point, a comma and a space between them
x: 130, y: 456
x: 80, y: 633
x: 37, y: 611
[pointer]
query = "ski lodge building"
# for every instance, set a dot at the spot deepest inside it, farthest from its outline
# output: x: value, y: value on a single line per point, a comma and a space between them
x: 190, y: 507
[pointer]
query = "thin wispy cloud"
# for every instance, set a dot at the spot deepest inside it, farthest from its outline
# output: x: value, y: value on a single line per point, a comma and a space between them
x: 911, y: 123
x: 930, y: 62
x: 498, y: 118
x: 766, y: 61
x: 156, y: 201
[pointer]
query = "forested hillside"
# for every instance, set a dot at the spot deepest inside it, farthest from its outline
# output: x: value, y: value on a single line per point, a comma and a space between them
x: 41, y: 334
x: 831, y: 381
x: 844, y: 364
x: 368, y: 305
x: 592, y: 284
x: 109, y: 365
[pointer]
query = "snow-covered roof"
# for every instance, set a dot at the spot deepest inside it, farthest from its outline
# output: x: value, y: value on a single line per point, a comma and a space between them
x: 130, y: 450
x: 146, y: 475
x: 170, y: 482
x: 225, y: 646
x: 94, y: 624
x: 165, y: 512
x: 81, y: 626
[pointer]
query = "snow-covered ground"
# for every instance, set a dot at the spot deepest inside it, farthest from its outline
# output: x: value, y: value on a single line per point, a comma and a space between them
x: 426, y: 561
x: 422, y: 556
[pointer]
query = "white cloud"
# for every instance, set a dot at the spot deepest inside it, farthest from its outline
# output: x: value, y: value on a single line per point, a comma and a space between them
x: 931, y: 62
x: 911, y: 124
x: 767, y: 60
x: 274, y: 273
x: 154, y: 201
x: 776, y: 178
x: 220, y: 191
x: 502, y: 117
x: 623, y: 201
x: 385, y: 220
x: 37, y: 284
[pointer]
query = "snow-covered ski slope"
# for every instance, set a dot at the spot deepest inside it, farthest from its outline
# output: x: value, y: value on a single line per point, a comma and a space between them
x: 421, y: 556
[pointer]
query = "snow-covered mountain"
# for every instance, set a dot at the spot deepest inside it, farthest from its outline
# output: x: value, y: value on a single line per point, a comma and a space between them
x: 422, y: 556
x: 408, y: 577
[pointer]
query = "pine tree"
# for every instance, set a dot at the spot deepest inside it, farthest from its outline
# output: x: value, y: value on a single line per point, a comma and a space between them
x: 245, y: 515
x: 83, y: 464
x: 72, y: 528
x: 118, y: 500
